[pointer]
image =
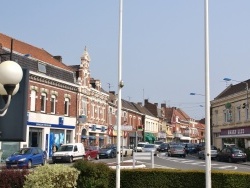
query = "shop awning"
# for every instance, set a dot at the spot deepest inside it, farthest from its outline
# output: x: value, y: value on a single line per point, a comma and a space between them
x: 149, y: 137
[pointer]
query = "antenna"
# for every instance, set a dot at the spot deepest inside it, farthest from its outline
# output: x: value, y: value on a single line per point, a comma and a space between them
x: 109, y: 84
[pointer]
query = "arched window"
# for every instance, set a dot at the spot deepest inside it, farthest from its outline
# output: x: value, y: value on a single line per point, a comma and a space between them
x: 66, y: 106
x: 33, y: 100
x: 53, y: 104
x: 43, y: 102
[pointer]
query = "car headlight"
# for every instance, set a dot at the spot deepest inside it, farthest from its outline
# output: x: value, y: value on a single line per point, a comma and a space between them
x: 23, y: 159
x: 109, y: 151
x: 7, y: 159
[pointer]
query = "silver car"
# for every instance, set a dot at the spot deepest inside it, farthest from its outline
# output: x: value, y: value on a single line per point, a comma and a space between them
x: 150, y: 148
x: 177, y: 150
x: 201, y: 154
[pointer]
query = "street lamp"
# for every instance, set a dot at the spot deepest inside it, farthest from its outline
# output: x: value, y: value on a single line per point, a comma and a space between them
x: 207, y: 101
x: 196, y: 94
x: 10, y: 75
x: 120, y: 86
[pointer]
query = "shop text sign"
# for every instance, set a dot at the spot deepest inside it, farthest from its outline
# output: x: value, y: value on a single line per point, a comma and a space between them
x: 235, y: 131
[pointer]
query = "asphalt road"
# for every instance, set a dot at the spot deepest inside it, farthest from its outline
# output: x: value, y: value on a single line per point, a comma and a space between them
x: 191, y: 162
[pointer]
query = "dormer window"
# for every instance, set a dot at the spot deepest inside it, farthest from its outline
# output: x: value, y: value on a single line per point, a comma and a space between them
x: 41, y: 67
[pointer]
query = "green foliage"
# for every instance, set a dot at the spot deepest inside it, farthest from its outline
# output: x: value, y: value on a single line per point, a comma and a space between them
x: 52, y: 176
x: 12, y: 178
x: 166, y: 178
x: 92, y: 175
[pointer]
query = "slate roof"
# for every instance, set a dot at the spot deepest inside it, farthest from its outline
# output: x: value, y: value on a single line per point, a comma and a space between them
x: 142, y: 109
x: 232, y: 89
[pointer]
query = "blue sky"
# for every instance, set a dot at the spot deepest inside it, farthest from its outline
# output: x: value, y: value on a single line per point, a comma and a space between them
x: 163, y: 43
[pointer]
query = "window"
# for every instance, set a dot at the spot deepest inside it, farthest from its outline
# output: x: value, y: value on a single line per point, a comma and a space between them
x: 43, y: 102
x: 33, y: 100
x: 66, y: 106
x: 84, y: 106
x: 227, y: 115
x: 53, y: 104
x: 238, y: 113
x: 41, y: 67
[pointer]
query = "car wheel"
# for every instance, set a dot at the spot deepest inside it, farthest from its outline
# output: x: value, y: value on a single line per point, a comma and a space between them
x: 44, y: 162
x: 132, y: 153
x: 230, y: 160
x: 218, y: 158
x: 97, y: 157
x: 29, y: 164
x: 184, y: 156
x: 244, y: 160
x: 71, y: 159
x: 126, y: 154
x: 88, y: 158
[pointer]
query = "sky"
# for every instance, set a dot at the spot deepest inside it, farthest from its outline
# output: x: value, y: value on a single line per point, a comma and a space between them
x: 163, y: 44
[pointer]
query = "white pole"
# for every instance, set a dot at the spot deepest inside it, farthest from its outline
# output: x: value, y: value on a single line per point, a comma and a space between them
x: 207, y: 102
x: 120, y: 85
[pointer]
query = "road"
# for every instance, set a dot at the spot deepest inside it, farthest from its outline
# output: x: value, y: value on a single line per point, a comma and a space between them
x: 191, y: 162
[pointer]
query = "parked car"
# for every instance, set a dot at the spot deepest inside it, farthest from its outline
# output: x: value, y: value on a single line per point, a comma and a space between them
x: 127, y: 151
x: 163, y: 147
x: 231, y: 154
x: 177, y: 150
x: 91, y: 152
x: 158, y: 143
x: 150, y: 148
x: 27, y: 158
x: 108, y: 151
x: 139, y: 146
x: 190, y: 148
x: 69, y: 152
x: 201, y: 154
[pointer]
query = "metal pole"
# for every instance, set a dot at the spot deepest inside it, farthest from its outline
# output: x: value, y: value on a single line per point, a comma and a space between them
x: 120, y: 85
x: 207, y: 102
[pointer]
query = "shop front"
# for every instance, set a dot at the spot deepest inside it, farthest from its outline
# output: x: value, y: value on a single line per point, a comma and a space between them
x: 235, y: 136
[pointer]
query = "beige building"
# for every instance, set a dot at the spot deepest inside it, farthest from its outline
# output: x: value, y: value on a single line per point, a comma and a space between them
x: 230, y: 120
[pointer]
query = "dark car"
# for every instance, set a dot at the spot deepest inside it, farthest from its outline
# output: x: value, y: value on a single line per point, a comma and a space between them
x: 27, y: 158
x: 163, y: 147
x: 231, y: 154
x: 108, y: 151
x: 91, y: 152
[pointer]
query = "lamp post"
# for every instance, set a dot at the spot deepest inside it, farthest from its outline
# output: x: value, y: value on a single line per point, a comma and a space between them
x: 207, y: 100
x: 10, y: 75
x: 120, y: 85
x: 229, y: 79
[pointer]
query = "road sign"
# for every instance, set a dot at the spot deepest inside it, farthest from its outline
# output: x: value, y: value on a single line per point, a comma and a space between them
x: 124, y: 127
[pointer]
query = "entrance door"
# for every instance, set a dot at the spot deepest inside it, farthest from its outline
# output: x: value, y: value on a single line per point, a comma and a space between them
x: 35, y: 137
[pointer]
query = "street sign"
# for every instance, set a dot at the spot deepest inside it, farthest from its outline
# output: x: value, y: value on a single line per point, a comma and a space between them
x: 124, y: 127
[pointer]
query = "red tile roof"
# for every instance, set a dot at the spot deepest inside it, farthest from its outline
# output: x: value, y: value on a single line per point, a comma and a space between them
x: 37, y: 53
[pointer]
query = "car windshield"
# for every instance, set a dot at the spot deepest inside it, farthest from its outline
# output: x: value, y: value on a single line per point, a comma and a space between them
x: 149, y: 146
x: 236, y: 150
x: 107, y: 147
x: 158, y: 142
x: 66, y: 148
x: 23, y: 151
x: 140, y: 145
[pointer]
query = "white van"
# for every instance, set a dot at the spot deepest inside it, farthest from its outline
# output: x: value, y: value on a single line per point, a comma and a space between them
x: 69, y: 153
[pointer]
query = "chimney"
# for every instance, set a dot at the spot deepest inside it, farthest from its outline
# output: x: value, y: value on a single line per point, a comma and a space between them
x: 163, y: 105
x: 145, y: 101
x: 140, y: 103
x: 58, y: 58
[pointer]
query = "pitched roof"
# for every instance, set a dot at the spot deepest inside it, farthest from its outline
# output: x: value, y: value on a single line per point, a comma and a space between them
x: 34, y: 52
x: 232, y: 89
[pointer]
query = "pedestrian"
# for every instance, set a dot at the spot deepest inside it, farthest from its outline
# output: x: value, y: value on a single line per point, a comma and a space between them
x: 54, y: 149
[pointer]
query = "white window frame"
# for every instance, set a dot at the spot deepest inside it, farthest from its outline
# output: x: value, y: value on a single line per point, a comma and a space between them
x: 33, y: 101
x: 43, y: 102
x: 53, y: 104
x: 66, y: 106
